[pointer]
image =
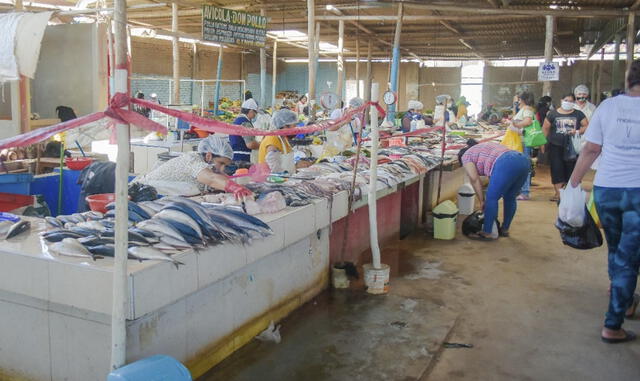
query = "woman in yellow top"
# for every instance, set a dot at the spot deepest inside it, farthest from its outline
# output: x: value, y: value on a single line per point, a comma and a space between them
x: 276, y: 150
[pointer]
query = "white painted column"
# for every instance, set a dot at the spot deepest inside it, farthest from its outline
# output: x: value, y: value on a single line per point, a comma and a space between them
x: 120, y: 285
x: 373, y: 182
x: 311, y: 34
x: 263, y: 70
x: 176, y: 54
x: 548, y: 50
x: 274, y: 72
x: 340, y: 84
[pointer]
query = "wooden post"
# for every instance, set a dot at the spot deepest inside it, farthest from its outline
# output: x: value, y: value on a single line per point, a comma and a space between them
x: 274, y: 72
x: 340, y: 84
x: 357, y: 67
x: 263, y: 70
x: 311, y: 35
x: 615, y: 70
x: 216, y: 100
x: 395, y: 63
x: 548, y: 50
x: 120, y: 284
x: 176, y: 54
x: 524, y: 69
x: 600, y: 69
x: 631, y: 39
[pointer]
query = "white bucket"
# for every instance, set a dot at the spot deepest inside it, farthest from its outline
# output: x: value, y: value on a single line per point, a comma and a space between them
x: 376, y: 281
x: 339, y: 278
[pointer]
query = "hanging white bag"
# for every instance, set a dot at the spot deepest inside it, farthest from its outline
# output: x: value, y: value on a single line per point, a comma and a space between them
x: 572, y: 205
x: 578, y: 142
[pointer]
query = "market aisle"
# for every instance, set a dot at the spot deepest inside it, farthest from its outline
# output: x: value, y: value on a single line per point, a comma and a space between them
x: 530, y: 307
x: 533, y: 308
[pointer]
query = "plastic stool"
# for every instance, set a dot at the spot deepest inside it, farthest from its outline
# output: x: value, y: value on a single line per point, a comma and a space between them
x: 154, y: 368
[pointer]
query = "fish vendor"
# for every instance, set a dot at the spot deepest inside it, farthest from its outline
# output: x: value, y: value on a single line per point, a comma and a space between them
x: 191, y: 173
x: 276, y: 150
x: 243, y: 145
x: 412, y: 119
x: 350, y: 130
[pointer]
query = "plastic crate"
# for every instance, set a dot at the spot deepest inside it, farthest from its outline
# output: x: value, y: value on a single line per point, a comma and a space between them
x: 11, y: 201
x: 18, y: 183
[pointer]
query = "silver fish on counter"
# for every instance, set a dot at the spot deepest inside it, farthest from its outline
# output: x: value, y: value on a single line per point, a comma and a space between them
x: 72, y: 248
x: 18, y: 228
x: 4, y: 228
x: 148, y: 253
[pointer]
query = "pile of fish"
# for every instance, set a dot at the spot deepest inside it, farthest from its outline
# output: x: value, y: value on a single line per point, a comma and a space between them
x: 10, y: 229
x: 157, y: 229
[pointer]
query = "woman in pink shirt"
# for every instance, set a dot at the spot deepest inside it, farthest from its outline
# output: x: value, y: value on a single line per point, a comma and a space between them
x: 507, y: 171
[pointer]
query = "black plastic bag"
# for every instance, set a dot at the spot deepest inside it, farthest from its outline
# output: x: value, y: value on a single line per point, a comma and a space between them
x: 586, y: 237
x: 474, y: 222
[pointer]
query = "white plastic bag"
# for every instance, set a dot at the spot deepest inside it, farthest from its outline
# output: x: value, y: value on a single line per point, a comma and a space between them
x: 572, y: 205
x: 577, y: 142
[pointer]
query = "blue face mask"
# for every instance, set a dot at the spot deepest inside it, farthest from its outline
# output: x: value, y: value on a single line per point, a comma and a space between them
x: 254, y: 119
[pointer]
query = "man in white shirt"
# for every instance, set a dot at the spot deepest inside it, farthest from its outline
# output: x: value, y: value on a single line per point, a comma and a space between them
x: 582, y: 101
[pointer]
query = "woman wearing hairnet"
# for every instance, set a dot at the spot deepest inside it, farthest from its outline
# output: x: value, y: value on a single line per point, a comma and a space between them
x: 276, y: 150
x: 346, y: 135
x: 189, y: 174
x: 412, y: 116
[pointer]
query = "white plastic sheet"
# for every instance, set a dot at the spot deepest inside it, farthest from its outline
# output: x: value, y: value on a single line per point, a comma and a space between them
x: 572, y: 205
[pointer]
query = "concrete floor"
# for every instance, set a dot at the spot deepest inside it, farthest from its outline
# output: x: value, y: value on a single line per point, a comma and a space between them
x: 531, y: 307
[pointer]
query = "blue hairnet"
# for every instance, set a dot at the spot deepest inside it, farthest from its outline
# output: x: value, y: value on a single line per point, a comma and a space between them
x: 284, y: 117
x: 216, y: 145
x: 356, y: 102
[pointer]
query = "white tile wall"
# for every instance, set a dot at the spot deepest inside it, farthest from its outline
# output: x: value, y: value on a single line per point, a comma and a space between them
x: 80, y: 349
x: 80, y: 286
x: 299, y: 224
x: 219, y: 261
x: 24, y: 341
x: 24, y: 275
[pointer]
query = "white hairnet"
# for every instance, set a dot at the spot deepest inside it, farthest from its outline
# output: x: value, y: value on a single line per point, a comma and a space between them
x: 441, y: 99
x: 284, y: 117
x: 581, y: 89
x: 415, y: 105
x: 250, y: 104
x: 216, y: 145
x: 356, y: 102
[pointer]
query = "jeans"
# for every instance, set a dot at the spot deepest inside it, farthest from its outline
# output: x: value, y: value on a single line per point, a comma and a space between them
x: 527, y: 183
x: 619, y: 212
x: 509, y: 172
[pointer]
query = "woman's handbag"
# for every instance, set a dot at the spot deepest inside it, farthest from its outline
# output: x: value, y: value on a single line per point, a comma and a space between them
x: 533, y: 135
x: 570, y: 153
x: 512, y: 140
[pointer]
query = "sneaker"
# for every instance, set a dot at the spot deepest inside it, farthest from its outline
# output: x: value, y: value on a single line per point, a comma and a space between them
x: 523, y: 197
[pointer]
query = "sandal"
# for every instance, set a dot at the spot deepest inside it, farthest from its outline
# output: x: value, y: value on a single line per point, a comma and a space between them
x: 634, y: 306
x: 628, y: 336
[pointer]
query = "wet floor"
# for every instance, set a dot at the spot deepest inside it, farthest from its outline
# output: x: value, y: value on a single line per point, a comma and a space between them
x: 531, y: 307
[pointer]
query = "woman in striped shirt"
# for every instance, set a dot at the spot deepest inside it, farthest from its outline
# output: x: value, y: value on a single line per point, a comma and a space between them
x: 507, y: 171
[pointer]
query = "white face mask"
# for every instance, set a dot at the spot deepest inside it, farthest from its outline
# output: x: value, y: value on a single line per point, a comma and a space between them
x: 567, y: 106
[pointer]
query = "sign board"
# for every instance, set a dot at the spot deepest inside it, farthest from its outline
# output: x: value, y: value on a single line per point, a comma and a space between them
x: 227, y: 26
x: 549, y: 71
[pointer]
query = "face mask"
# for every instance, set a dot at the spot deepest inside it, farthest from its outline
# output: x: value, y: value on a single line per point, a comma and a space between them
x: 567, y: 106
x: 254, y: 119
x: 581, y: 99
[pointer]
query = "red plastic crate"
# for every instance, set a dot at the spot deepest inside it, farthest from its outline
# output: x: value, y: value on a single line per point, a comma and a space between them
x: 11, y: 201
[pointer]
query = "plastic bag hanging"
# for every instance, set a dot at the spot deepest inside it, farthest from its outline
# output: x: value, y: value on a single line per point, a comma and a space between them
x: 572, y: 206
x: 586, y: 237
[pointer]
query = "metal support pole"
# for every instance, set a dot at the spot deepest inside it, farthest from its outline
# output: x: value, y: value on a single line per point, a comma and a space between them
x: 311, y: 35
x: 340, y: 61
x: 216, y: 99
x: 631, y: 39
x: 395, y: 63
x: 357, y: 67
x: 176, y: 54
x: 548, y: 50
x: 120, y: 284
x: 317, y: 54
x: 615, y: 70
x: 263, y: 70
x: 274, y: 73
x: 373, y: 182
x: 600, y: 69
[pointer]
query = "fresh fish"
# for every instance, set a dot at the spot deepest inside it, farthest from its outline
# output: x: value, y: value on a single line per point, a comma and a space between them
x: 92, y: 215
x: 59, y: 235
x: 149, y: 253
x: 96, y: 241
x: 93, y: 225
x: 133, y: 237
x: 133, y: 207
x: 147, y: 210
x: 151, y: 205
x: 244, y: 221
x: 111, y: 206
x: 197, y: 212
x: 174, y: 242
x: 53, y: 222
x: 111, y: 213
x: 108, y: 223
x: 181, y: 217
x: 161, y: 228
x: 135, y: 217
x: 5, y: 226
x: 107, y: 250
x: 187, y: 233
x: 78, y: 217
x: 72, y: 248
x: 18, y: 228
x: 83, y: 231
x: 166, y: 248
x: 69, y: 225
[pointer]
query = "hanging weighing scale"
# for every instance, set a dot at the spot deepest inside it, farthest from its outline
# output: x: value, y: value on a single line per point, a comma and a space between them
x: 389, y: 97
x: 329, y: 100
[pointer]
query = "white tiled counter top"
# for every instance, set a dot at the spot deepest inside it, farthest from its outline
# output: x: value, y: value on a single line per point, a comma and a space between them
x: 80, y: 287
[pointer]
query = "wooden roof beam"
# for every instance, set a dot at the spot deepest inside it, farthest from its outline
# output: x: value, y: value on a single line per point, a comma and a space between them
x: 635, y: 5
